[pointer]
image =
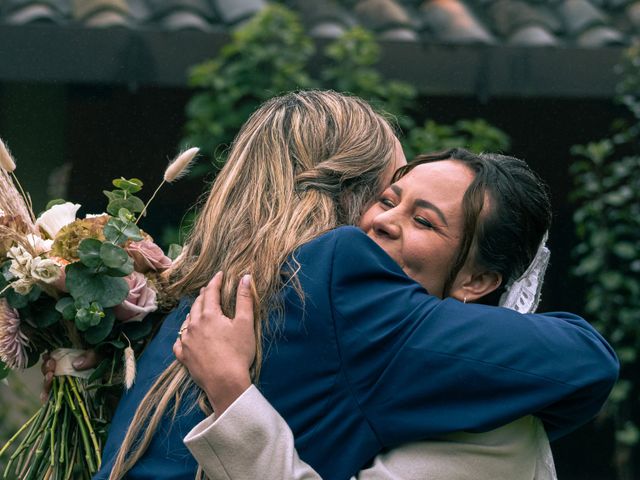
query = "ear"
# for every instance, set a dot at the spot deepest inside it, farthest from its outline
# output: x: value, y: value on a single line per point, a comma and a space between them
x: 470, y: 286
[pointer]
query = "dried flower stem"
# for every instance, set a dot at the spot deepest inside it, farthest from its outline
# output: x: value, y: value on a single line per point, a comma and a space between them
x: 144, y: 210
x: 26, y: 197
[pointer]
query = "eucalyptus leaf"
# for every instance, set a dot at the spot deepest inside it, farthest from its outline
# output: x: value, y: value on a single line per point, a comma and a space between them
x: 99, y: 332
x: 137, y: 330
x: 131, y: 185
x: 66, y: 306
x: 114, y: 195
x: 89, y: 252
x: 88, y: 287
x: 15, y: 300
x: 132, y: 203
x: 87, y: 318
x: 54, y: 202
x: 112, y: 255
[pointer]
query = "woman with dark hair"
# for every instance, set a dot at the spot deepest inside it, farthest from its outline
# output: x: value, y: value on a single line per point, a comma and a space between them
x: 345, y: 331
x: 498, y: 213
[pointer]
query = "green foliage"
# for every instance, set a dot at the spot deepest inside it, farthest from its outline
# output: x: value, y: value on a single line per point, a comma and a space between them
x: 474, y: 135
x: 272, y: 54
x: 607, y: 223
x: 266, y: 57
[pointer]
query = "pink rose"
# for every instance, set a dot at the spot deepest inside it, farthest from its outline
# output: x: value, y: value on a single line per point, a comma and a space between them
x: 140, y: 301
x: 148, y: 256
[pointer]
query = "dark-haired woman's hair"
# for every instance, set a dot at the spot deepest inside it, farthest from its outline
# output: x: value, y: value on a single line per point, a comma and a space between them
x: 505, y: 237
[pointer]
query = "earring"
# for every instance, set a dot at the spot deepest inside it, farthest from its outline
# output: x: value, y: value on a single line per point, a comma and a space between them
x: 465, y: 299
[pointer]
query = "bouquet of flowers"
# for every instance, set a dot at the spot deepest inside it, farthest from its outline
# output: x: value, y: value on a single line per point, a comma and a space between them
x: 69, y: 284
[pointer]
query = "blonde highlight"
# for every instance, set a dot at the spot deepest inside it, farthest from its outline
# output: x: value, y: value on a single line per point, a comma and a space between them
x: 303, y: 164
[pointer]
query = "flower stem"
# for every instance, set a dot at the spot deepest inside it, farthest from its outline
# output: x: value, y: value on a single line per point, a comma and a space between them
x: 17, y: 434
x: 92, y: 433
x: 144, y: 210
x: 27, y: 199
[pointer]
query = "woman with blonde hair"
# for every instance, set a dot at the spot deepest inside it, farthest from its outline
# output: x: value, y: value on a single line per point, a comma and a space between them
x: 337, y: 318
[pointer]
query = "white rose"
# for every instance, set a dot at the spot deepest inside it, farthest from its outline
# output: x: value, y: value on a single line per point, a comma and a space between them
x: 45, y: 270
x: 95, y: 215
x: 20, y: 262
x: 57, y: 217
x: 22, y: 286
x: 39, y: 244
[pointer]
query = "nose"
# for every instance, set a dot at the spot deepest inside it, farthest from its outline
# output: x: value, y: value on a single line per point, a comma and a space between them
x: 386, y: 224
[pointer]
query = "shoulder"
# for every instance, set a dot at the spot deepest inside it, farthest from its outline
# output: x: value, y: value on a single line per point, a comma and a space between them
x: 349, y: 249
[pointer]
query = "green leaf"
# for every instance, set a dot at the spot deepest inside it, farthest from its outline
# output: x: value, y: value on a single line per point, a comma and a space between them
x: 101, y: 369
x: 99, y: 332
x: 625, y: 250
x: 89, y: 252
x: 55, y: 201
x: 122, y: 271
x: 131, y: 185
x: 113, y: 256
x: 137, y: 330
x: 86, y: 286
x: 4, y: 370
x: 16, y: 300
x: 67, y: 308
x: 115, y: 195
x: 125, y: 215
x: 89, y: 317
x: 133, y: 204
x: 118, y: 232
x: 629, y: 435
x: 174, y: 251
x: 44, y: 313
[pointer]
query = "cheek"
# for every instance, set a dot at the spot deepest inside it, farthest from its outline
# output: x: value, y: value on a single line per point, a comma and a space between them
x: 366, y: 221
x: 428, y: 264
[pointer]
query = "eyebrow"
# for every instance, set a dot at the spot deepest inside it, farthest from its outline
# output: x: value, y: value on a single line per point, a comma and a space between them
x: 422, y: 203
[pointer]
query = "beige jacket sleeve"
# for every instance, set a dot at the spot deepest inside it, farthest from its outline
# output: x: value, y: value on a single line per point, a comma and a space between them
x: 251, y: 440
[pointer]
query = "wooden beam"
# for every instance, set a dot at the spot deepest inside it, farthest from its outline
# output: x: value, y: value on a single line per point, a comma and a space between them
x: 134, y: 57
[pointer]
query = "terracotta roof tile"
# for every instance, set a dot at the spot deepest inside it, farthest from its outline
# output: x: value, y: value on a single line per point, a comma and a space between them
x: 234, y: 11
x: 381, y: 15
x: 22, y: 12
x: 101, y: 13
x: 585, y: 23
x: 532, y: 36
x: 450, y: 21
x: 182, y: 14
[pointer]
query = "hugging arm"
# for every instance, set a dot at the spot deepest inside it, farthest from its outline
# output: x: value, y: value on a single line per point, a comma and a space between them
x: 430, y: 366
x: 249, y: 440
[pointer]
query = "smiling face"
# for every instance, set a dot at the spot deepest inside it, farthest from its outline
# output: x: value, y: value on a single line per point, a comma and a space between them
x: 419, y: 219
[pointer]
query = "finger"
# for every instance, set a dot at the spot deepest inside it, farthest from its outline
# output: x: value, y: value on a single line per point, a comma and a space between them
x: 89, y: 359
x: 177, y: 350
x: 244, y: 304
x: 46, y: 386
x: 211, y: 294
x: 48, y: 365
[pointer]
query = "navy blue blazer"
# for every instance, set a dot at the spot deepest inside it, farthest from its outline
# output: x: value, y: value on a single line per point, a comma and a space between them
x: 369, y: 360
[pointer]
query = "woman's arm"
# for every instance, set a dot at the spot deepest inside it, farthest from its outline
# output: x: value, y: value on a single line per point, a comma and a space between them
x: 249, y: 440
x: 418, y: 365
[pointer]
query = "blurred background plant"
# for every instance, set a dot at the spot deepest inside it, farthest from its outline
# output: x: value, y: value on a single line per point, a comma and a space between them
x: 606, y: 175
x: 273, y: 54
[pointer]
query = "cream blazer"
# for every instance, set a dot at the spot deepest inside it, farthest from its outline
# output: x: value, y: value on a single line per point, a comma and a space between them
x: 251, y: 441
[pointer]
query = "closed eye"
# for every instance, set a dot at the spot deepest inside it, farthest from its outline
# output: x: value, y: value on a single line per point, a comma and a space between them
x: 386, y: 202
x: 425, y: 223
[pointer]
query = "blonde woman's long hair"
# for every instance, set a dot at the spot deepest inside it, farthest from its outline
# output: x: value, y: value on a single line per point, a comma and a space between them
x: 304, y: 163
